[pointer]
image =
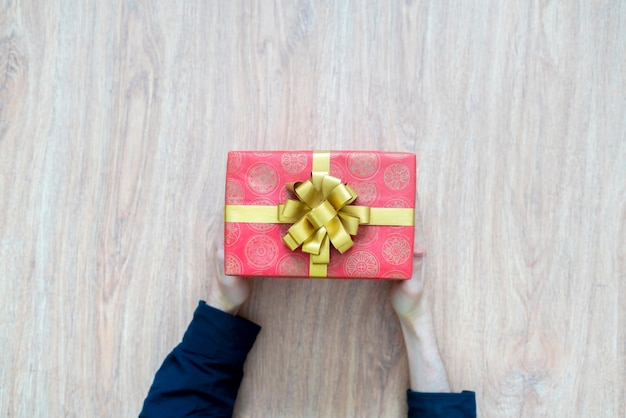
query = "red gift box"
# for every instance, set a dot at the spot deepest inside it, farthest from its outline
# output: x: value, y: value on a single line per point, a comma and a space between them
x: 337, y: 214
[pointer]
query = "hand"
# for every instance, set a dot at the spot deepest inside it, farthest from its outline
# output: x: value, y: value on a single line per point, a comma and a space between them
x: 227, y: 293
x: 407, y: 296
x: 426, y: 369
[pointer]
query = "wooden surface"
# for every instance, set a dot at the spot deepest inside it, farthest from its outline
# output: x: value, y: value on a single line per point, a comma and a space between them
x: 115, y: 120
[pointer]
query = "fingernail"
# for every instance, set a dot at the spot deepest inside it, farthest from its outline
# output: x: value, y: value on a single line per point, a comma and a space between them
x: 419, y: 250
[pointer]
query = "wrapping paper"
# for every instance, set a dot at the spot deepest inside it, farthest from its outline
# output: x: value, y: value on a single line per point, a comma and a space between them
x: 256, y: 182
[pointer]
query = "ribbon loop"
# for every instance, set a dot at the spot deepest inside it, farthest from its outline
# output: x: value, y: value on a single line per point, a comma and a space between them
x: 291, y: 211
x: 322, y: 216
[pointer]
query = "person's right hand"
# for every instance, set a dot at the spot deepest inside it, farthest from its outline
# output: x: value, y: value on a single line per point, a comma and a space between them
x: 407, y: 296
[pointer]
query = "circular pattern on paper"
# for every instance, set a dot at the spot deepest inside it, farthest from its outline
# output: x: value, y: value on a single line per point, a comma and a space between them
x: 336, y: 171
x: 262, y: 227
x: 397, y: 176
x: 294, y: 162
x: 366, y: 192
x: 262, y: 178
x: 261, y: 251
x: 284, y: 228
x: 363, y: 165
x: 396, y: 250
x: 292, y: 265
x: 361, y: 264
x: 232, y: 265
x: 234, y: 161
x: 395, y: 274
x: 285, y: 194
x: 396, y: 203
x: 232, y: 232
x: 366, y: 235
x: 234, y: 192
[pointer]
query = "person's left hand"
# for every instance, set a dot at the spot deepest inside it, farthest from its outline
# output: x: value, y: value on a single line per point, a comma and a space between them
x: 227, y: 293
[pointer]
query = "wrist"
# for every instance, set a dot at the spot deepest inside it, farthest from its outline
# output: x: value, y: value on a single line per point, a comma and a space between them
x: 418, y: 327
x: 221, y: 303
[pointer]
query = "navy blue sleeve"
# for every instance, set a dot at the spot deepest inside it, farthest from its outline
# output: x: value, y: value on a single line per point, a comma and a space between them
x: 201, y: 376
x: 439, y: 405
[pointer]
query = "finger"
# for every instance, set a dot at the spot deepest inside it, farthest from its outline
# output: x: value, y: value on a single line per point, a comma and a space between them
x: 217, y: 257
x: 419, y: 242
x: 223, y: 278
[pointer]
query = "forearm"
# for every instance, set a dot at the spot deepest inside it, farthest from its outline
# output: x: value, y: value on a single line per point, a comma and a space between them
x: 426, y: 370
x: 202, y: 374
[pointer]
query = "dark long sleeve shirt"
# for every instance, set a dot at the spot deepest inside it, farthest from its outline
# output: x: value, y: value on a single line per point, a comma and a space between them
x: 201, y: 376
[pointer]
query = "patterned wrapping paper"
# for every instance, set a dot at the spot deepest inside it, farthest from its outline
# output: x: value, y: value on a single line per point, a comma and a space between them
x: 381, y: 180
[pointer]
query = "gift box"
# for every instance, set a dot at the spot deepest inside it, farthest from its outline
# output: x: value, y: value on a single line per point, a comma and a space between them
x: 336, y: 214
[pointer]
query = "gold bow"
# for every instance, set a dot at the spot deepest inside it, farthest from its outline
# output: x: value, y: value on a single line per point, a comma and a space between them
x: 321, y: 216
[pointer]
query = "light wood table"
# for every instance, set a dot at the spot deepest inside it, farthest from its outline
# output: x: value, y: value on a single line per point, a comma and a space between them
x: 115, y: 121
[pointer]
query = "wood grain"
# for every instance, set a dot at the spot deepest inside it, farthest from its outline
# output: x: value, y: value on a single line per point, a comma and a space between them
x: 115, y: 121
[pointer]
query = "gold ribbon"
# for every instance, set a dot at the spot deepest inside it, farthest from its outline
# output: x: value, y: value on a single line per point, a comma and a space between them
x: 322, y: 215
x: 269, y: 215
